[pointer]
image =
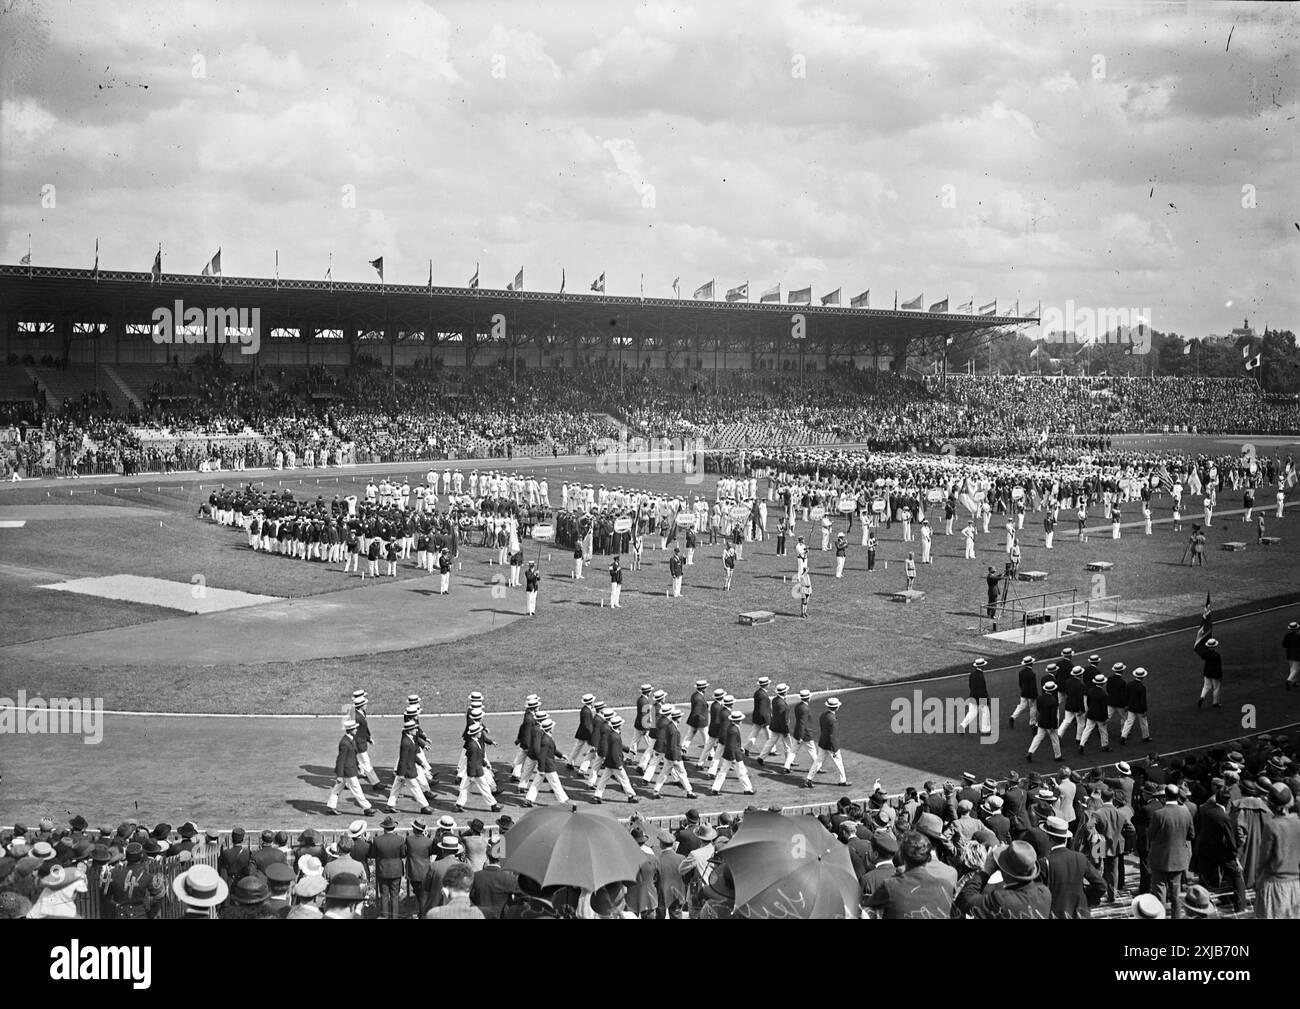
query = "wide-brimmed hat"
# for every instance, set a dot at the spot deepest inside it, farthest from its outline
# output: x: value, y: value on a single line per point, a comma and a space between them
x: 929, y: 825
x: 200, y: 886
x: 345, y: 886
x: 1199, y: 902
x: 1055, y: 826
x: 1018, y: 861
x: 250, y: 890
x: 1148, y: 906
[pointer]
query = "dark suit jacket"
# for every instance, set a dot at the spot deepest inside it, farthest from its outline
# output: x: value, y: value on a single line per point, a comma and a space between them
x: 491, y: 888
x: 1216, y: 837
x: 643, y: 892
x: 390, y: 855
x: 672, y: 888
x: 1071, y: 878
x: 1030, y: 900
x: 1169, y: 837
x: 419, y: 849
x: 232, y: 863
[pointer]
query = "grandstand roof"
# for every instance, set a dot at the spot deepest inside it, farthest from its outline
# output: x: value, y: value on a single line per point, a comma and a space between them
x: 42, y: 293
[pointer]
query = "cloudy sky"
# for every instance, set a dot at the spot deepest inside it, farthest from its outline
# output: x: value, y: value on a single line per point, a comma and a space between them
x: 1122, y: 155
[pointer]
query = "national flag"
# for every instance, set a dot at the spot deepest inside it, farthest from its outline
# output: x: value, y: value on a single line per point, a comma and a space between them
x: 677, y: 291
x: 378, y: 264
x: 1206, y: 630
x: 431, y: 275
x: 1166, y: 480
x: 739, y: 293
x: 329, y: 270
x: 965, y: 307
x: 1034, y: 353
x: 599, y: 284
x: 1187, y: 349
x: 915, y: 304
x: 831, y: 299
x: 704, y: 292
x: 990, y: 309
x: 940, y: 306
x: 643, y: 287
x: 156, y: 270
x: 1253, y: 363
x: 803, y: 296
x: 26, y: 260
x: 517, y: 284
x: 473, y: 281
x: 771, y: 294
x: 95, y: 269
x: 562, y: 279
x: 1194, y: 481
x: 1245, y: 350
x: 277, y: 268
x: 862, y: 300
x: 213, y: 266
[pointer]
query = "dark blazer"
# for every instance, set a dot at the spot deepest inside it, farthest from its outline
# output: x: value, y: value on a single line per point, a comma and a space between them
x: 345, y: 764
x: 232, y: 863
x: 1071, y: 878
x: 802, y: 722
x: 780, y: 715
x: 731, y: 745
x: 829, y: 737
x: 1169, y: 838
x: 1216, y: 838
x: 407, y: 765
x: 390, y: 855
x: 699, y: 716
x: 545, y: 745
x: 491, y: 888
x: 419, y: 849
x: 762, y: 707
x: 1003, y: 901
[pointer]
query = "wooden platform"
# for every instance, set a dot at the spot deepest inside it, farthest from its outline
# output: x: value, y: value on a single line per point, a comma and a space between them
x: 1099, y: 565
x: 758, y: 617
x: 1269, y: 541
x: 1234, y: 545
x: 1031, y: 576
x: 908, y: 596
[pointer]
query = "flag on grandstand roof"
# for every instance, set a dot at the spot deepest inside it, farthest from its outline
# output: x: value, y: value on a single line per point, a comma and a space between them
x: 1187, y: 347
x: 517, y: 284
x: 561, y: 279
x: 965, y: 307
x: 990, y: 309
x: 27, y: 259
x: 1245, y: 350
x: 915, y: 304
x: 940, y: 306
x: 831, y: 299
x: 1253, y: 363
x: 155, y: 271
x: 277, y: 268
x: 801, y: 297
x: 329, y: 270
x: 431, y: 275
x: 473, y: 281
x: 704, y: 292
x: 213, y: 266
x: 94, y: 272
x: 599, y: 283
x: 773, y: 293
x: 739, y: 293
x: 1034, y: 353
x: 378, y: 264
x: 643, y: 287
x: 862, y: 300
x: 677, y: 291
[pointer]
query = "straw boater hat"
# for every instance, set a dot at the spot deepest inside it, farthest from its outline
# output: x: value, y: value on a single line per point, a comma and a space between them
x: 200, y: 886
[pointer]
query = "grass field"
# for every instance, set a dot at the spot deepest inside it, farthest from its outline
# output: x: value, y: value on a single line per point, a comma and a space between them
x: 306, y: 654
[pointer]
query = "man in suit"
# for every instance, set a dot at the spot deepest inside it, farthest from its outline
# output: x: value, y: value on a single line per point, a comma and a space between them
x: 1117, y: 696
x: 233, y: 862
x: 643, y: 892
x: 779, y: 726
x: 613, y: 767
x: 454, y: 896
x: 828, y: 745
x: 970, y: 790
x: 1047, y: 711
x: 1020, y: 895
x: 346, y: 771
x: 1114, y: 821
x: 654, y: 755
x: 590, y: 767
x: 475, y: 771
x: 408, y: 769
x: 698, y: 719
x: 801, y: 732
x: 267, y: 853
x: 996, y: 821
x: 977, y: 703
x: 521, y: 769
x: 1072, y: 880
x: 1212, y: 674
x: 761, y: 717
x: 1028, y: 684
x: 390, y: 866
x: 1170, y: 832
x: 674, y: 764
x: 547, y: 767
x: 1073, y: 703
x: 363, y: 740
x: 884, y: 846
x: 672, y: 888
x: 419, y: 848
x: 1014, y: 803
x: 1215, y: 852
x: 1137, y: 708
x: 446, y: 854
x: 733, y: 756
x: 915, y: 892
x: 643, y: 721
x: 493, y: 885
x: 716, y: 717
x: 1096, y: 704
x: 582, y: 735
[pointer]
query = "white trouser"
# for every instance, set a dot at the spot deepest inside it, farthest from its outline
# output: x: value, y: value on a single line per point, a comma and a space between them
x: 353, y: 786
x: 1048, y: 537
x: 615, y: 589
x: 1134, y: 718
x: 791, y: 755
x: 710, y: 748
x: 1210, y: 688
x: 1026, y: 704
x: 676, y: 770
x: 551, y: 779
x: 677, y: 586
x: 725, y: 767
x: 980, y: 708
x: 1051, y: 734
x: 824, y: 755
x: 444, y: 582
x: 701, y: 731
x: 531, y: 599
x: 1102, y: 731
x: 412, y: 784
x: 579, y: 751
x: 618, y: 774
x: 650, y: 766
x: 970, y: 549
x: 839, y: 567
x: 765, y: 732
x: 1071, y: 716
x: 367, y: 768
x: 481, y: 783
x: 1112, y: 711
x: 773, y: 741
x: 577, y: 567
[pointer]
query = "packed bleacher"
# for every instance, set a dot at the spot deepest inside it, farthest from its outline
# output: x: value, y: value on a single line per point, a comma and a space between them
x: 1065, y: 845
x: 185, y: 416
